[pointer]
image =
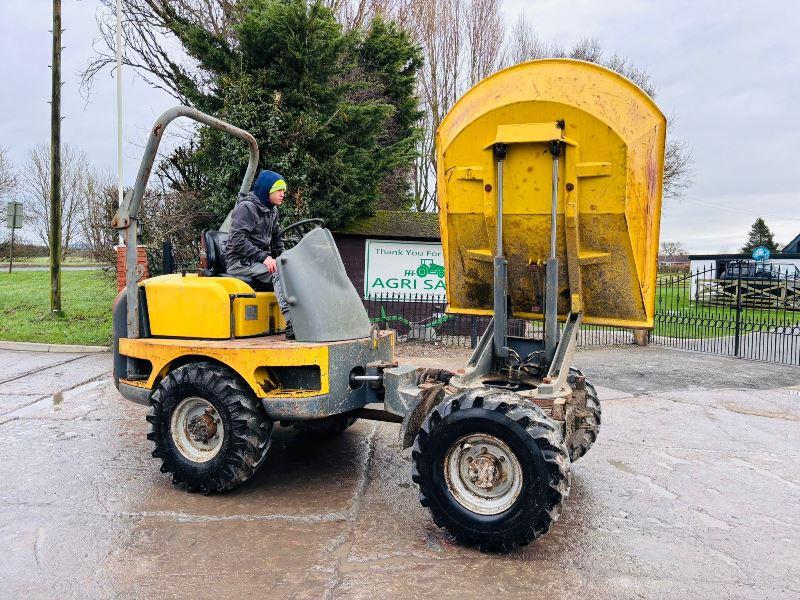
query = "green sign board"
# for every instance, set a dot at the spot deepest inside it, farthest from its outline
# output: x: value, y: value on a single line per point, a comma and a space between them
x: 413, y: 269
x: 14, y: 215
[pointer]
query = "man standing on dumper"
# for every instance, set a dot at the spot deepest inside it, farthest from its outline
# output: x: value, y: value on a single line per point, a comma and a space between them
x: 254, y: 241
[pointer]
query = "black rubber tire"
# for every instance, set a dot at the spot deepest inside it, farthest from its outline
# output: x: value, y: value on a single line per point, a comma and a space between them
x: 535, y: 439
x: 247, y: 428
x: 588, y: 424
x: 325, y: 427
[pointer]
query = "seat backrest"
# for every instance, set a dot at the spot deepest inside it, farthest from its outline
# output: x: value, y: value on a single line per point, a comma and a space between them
x: 216, y: 241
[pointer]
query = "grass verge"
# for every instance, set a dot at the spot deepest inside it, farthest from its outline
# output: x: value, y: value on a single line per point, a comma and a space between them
x: 87, y: 298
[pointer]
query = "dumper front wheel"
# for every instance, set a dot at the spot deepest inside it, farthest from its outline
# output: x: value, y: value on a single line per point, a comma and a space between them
x: 493, y: 471
x: 208, y: 428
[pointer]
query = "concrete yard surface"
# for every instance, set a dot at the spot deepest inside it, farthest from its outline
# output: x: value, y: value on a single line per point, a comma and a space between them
x: 691, y: 491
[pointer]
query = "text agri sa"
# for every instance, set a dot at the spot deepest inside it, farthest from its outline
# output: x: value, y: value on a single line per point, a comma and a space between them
x: 408, y: 283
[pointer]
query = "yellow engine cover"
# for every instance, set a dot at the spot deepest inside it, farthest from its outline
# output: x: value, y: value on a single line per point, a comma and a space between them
x: 200, y: 307
x: 610, y: 176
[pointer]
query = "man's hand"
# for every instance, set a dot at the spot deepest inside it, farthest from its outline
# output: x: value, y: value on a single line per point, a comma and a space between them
x: 271, y: 265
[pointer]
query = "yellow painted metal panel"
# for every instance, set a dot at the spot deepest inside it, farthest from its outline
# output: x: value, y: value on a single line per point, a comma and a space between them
x: 275, y: 320
x: 199, y: 307
x: 594, y: 169
x: 247, y: 357
x: 521, y: 133
x: 609, y: 204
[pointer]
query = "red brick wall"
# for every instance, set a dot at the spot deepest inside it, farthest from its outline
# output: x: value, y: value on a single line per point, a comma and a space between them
x: 122, y: 266
x: 351, y: 248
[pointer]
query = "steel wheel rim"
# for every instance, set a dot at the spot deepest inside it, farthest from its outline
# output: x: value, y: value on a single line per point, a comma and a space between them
x: 192, y: 433
x: 483, y: 474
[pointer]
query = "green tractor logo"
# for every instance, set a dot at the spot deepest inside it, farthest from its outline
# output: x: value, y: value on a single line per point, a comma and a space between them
x: 427, y: 267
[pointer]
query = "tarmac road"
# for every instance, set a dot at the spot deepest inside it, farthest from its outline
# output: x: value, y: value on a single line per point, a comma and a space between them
x: 692, y: 490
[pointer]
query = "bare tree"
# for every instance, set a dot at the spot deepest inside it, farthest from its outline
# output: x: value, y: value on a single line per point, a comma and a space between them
x: 436, y: 28
x: 485, y: 33
x: 523, y: 44
x: 587, y: 49
x: 8, y: 184
x: 638, y: 76
x: 678, y: 167
x: 165, y: 214
x: 462, y: 42
x: 672, y: 249
x: 8, y: 179
x: 150, y: 47
x: 354, y: 14
x: 35, y: 177
x: 97, y: 211
x: 174, y: 216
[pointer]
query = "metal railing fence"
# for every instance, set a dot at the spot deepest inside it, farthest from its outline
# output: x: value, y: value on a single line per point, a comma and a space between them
x: 742, y: 309
x: 423, y: 319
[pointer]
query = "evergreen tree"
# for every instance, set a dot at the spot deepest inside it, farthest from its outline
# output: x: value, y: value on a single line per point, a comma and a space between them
x: 333, y: 111
x: 760, y: 235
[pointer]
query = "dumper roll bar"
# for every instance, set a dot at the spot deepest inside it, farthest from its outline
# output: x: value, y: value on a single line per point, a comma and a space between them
x: 126, y: 217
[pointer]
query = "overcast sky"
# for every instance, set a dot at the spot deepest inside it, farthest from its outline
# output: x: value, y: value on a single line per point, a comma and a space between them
x: 729, y: 71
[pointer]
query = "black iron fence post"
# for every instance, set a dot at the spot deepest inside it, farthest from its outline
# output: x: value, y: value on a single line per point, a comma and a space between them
x: 738, y: 330
x: 473, y: 332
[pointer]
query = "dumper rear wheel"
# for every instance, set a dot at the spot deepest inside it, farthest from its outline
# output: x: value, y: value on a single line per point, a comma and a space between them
x: 209, y: 430
x: 493, y: 471
x: 587, y: 426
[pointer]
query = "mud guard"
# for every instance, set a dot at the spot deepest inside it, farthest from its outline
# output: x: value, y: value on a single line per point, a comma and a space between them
x: 427, y: 400
x: 413, y: 392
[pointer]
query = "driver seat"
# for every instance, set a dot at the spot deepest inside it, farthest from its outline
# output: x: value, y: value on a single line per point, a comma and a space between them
x: 213, y: 244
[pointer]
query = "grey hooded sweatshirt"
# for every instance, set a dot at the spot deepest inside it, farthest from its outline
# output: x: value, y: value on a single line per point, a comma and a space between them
x: 254, y: 233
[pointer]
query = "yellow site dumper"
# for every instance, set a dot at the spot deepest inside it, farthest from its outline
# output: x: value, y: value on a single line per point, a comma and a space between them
x: 549, y: 180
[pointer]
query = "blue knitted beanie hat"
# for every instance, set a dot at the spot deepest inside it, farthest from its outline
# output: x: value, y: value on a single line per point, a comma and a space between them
x: 268, y: 182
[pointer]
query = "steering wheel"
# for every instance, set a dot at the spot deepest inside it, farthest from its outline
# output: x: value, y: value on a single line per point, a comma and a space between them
x: 300, y: 228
